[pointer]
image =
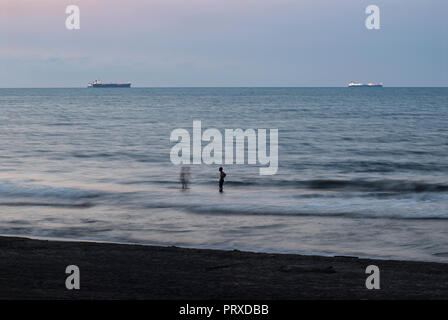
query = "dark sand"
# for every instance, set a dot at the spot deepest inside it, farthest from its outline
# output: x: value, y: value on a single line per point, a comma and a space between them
x: 35, y: 269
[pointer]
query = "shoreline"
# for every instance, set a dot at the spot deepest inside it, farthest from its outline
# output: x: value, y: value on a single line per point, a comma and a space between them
x: 35, y: 269
x: 247, y: 249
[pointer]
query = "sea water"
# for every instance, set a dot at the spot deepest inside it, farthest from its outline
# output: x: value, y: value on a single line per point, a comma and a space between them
x: 362, y: 171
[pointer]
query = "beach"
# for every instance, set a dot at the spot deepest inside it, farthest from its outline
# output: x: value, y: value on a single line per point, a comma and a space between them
x: 361, y: 173
x: 35, y: 269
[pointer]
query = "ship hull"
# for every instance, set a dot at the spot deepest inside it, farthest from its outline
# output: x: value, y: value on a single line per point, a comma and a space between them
x: 367, y: 86
x: 110, y: 85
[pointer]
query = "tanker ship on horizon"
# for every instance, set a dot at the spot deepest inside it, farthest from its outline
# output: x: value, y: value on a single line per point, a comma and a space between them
x: 100, y: 84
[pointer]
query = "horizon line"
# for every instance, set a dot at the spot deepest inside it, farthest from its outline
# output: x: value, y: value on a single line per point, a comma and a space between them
x: 211, y: 87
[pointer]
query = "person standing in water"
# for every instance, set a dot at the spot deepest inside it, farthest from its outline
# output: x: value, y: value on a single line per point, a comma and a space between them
x: 222, y: 175
x: 184, y: 177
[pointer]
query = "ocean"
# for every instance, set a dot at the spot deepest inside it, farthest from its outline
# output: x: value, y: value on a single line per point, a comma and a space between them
x: 362, y: 171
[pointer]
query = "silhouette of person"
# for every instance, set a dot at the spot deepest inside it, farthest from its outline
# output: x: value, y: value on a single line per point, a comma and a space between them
x: 222, y: 175
x: 184, y: 177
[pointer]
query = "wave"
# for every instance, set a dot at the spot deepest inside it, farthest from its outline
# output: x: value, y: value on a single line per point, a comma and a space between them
x: 158, y: 182
x: 139, y: 157
x: 407, y: 186
x: 380, y: 188
x: 84, y: 205
x: 378, y: 185
x: 298, y: 210
x: 385, y: 166
x: 208, y: 210
x: 11, y: 189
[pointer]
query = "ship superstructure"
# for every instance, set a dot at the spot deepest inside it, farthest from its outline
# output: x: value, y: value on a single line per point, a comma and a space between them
x: 358, y: 84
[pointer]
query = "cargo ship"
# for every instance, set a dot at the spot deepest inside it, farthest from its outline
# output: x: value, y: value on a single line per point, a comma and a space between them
x: 364, y: 85
x: 100, y: 84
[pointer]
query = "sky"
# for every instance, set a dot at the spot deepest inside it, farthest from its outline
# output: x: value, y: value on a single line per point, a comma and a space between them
x: 221, y: 43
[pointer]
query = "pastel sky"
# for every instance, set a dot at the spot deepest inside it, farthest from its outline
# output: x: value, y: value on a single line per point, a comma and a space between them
x: 223, y: 43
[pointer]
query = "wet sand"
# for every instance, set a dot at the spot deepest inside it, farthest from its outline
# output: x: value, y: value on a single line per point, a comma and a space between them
x: 35, y: 269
